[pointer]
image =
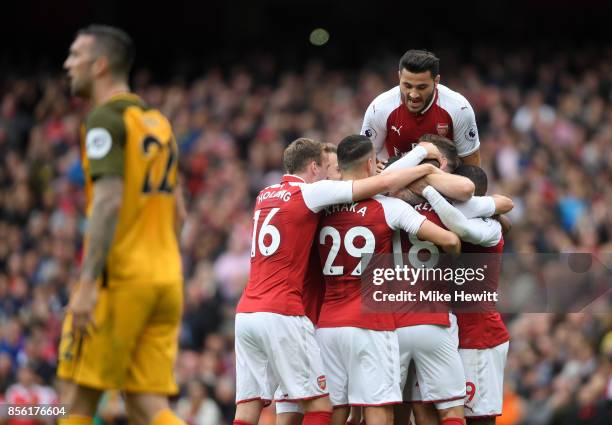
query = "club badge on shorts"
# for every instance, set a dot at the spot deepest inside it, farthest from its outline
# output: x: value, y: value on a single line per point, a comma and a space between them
x: 442, y: 129
x: 321, y: 381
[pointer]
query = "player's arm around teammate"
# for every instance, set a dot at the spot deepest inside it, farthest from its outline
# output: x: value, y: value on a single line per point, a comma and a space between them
x: 453, y: 186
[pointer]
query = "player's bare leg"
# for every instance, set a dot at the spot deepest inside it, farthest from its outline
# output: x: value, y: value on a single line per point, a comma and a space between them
x: 66, y: 391
x: 317, y: 411
x: 340, y: 416
x: 378, y: 415
x: 150, y: 409
x: 401, y: 414
x: 248, y: 412
x: 452, y: 416
x: 320, y: 404
x: 356, y: 415
x: 289, y: 418
x: 82, y: 406
x: 425, y: 414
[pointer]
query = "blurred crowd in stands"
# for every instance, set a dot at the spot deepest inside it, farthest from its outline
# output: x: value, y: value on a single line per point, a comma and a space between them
x: 545, y: 124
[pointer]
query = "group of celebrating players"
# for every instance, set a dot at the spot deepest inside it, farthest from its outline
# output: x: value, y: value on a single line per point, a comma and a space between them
x: 303, y: 338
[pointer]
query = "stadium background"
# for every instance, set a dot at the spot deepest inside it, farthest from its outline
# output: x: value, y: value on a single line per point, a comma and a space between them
x: 239, y: 81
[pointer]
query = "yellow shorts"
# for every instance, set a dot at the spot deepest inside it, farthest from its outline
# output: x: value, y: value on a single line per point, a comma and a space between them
x: 134, y: 345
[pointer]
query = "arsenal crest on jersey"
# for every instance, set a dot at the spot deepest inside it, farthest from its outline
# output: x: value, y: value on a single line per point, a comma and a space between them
x: 442, y: 129
x: 322, y: 382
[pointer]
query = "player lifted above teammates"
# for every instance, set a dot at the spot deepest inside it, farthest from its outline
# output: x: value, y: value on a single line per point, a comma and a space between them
x: 419, y: 105
x: 122, y: 327
x: 275, y: 345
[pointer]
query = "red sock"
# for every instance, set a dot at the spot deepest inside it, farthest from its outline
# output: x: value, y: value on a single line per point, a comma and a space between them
x: 317, y: 418
x: 453, y: 421
x: 239, y: 422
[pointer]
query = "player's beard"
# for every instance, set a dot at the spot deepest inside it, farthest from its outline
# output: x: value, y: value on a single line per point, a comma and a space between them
x: 427, y: 101
x: 81, y: 88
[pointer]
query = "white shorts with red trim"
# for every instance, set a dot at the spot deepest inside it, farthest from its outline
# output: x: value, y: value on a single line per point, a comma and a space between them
x: 484, y: 375
x: 438, y: 372
x: 362, y: 366
x: 276, y: 351
x: 286, y: 406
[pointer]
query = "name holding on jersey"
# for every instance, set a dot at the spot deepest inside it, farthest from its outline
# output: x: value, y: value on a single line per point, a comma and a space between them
x: 283, y: 195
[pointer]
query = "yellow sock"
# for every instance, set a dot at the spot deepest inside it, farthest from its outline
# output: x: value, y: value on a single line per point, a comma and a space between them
x: 166, y: 417
x: 75, y: 420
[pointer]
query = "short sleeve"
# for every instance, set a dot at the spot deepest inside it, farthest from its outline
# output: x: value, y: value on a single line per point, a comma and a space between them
x: 465, y: 132
x: 375, y: 129
x: 326, y: 192
x: 105, y: 142
x: 400, y: 215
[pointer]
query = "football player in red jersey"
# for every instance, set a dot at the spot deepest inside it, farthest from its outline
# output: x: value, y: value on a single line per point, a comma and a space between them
x: 271, y: 311
x: 479, y: 205
x: 290, y: 413
x: 396, y: 119
x: 483, y: 337
x: 360, y: 351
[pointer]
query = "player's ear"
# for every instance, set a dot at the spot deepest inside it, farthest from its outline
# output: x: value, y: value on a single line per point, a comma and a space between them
x: 100, y: 65
x: 437, y: 79
x: 314, y: 167
x: 444, y: 164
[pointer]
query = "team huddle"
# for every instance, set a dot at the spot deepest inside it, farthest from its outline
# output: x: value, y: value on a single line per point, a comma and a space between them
x: 302, y: 336
x: 410, y: 182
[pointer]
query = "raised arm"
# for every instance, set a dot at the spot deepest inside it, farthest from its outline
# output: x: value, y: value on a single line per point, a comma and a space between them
x: 328, y: 192
x: 485, y: 206
x: 476, y: 231
x: 413, y: 158
x: 389, y: 182
x: 455, y: 187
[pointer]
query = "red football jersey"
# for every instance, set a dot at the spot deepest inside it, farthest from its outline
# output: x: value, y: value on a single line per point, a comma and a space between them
x: 285, y: 221
x: 484, y: 330
x: 346, y: 233
x: 438, y: 311
x: 394, y: 130
x: 314, y: 287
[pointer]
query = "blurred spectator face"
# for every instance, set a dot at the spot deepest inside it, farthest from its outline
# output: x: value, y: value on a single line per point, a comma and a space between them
x: 417, y: 89
x: 79, y: 65
x: 26, y: 376
x: 196, y: 391
x: 5, y: 364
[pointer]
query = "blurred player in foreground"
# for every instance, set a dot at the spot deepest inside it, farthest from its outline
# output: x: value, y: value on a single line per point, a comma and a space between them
x: 122, y: 325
